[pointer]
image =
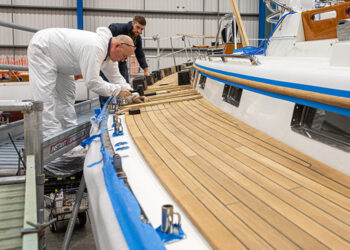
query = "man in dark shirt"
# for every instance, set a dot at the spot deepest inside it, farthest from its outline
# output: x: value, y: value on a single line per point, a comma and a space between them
x: 133, y: 29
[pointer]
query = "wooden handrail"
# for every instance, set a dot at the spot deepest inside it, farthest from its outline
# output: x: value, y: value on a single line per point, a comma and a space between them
x: 342, y: 102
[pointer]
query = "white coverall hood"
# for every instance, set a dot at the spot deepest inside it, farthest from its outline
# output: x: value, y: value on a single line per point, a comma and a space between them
x: 54, y: 55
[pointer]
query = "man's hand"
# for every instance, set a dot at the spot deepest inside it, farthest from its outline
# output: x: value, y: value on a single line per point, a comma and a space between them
x: 139, y: 99
x: 145, y: 72
x: 122, y: 93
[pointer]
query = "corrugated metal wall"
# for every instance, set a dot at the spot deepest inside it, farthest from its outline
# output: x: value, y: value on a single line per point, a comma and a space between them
x: 165, y: 18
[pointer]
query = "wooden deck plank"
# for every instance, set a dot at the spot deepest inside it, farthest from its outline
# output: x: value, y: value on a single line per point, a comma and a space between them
x: 292, y: 165
x: 335, y: 226
x: 286, y: 227
x: 318, y: 171
x: 323, y: 173
x: 211, y: 143
x: 340, y: 199
x: 180, y: 152
x: 274, y: 237
x: 215, y: 232
x: 308, y: 208
x: 296, y: 206
x: 169, y: 88
x: 241, y: 192
x: 175, y: 99
x: 324, y: 204
x: 172, y: 80
x: 216, y: 207
x: 218, y: 146
x: 174, y: 94
x: 213, y: 112
x: 237, y: 133
x: 274, y: 196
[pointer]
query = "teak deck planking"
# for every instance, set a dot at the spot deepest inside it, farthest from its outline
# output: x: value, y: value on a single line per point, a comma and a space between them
x: 240, y: 187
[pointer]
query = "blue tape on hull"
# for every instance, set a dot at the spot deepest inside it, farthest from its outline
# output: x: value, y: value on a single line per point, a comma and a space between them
x: 137, y: 234
x: 168, y: 238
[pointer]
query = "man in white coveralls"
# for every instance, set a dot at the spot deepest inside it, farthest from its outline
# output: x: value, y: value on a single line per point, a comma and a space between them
x: 55, y: 55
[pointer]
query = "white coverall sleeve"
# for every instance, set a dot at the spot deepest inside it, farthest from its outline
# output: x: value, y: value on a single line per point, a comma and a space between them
x: 90, y: 64
x: 111, y: 71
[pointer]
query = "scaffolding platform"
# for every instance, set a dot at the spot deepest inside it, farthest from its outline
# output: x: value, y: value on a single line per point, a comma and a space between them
x: 22, y: 196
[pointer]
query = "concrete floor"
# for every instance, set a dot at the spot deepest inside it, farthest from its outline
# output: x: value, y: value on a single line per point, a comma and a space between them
x: 82, y: 237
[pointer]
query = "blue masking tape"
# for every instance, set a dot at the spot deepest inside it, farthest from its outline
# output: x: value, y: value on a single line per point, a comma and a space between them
x: 95, y: 163
x: 138, y: 235
x: 167, y: 238
x: 120, y: 143
x: 89, y: 140
x: 118, y: 133
x: 97, y: 111
x: 122, y: 148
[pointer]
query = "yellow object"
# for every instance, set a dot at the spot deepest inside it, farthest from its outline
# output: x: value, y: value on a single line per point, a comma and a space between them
x: 239, y: 23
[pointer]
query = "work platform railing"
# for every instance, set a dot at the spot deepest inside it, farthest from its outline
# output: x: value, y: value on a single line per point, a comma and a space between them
x: 37, y: 152
x: 34, y: 211
x: 189, y: 48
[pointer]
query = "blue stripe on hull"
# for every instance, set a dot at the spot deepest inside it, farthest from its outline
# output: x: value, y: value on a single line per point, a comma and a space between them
x: 331, y: 108
x: 315, y: 89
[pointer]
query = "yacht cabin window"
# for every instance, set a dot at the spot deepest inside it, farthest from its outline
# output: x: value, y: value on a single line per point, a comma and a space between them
x: 202, y: 81
x: 232, y: 95
x: 324, y: 126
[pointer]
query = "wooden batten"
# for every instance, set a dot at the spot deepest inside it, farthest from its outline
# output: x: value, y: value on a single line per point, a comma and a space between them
x: 167, y: 100
x: 195, y: 79
x: 239, y: 23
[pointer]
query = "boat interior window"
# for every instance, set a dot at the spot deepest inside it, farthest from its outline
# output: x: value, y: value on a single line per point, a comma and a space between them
x: 324, y: 126
x: 232, y: 95
x: 325, y: 15
x: 202, y: 81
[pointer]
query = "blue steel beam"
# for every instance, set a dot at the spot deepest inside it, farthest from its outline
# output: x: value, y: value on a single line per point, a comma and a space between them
x: 80, y: 14
x: 261, y: 19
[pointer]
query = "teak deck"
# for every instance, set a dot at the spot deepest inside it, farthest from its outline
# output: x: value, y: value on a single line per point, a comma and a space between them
x: 240, y: 187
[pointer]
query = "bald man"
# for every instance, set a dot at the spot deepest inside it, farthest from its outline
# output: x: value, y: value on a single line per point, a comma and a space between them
x: 55, y: 55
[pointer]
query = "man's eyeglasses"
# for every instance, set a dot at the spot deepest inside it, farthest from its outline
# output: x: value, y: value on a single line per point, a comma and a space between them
x: 129, y: 45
